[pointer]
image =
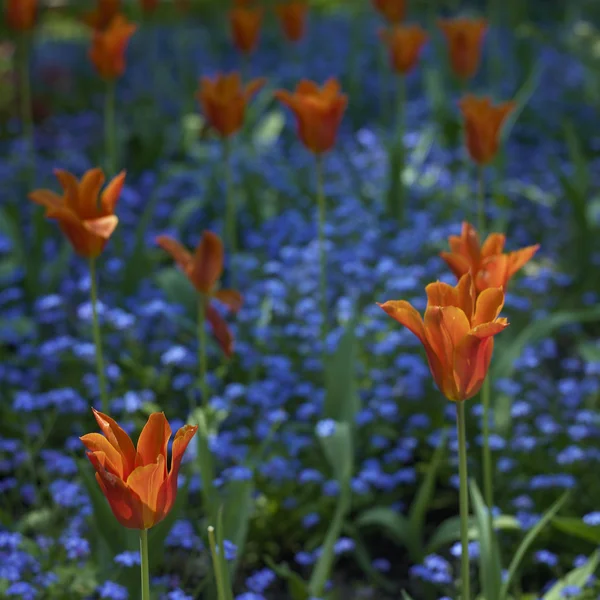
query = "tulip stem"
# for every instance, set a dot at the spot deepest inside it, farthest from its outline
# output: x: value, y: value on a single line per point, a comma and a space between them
x: 397, y: 158
x: 488, y: 467
x: 219, y: 576
x: 145, y: 564
x: 481, y: 201
x: 97, y: 337
x: 322, y: 255
x: 463, y: 500
x: 110, y: 128
x: 230, y: 212
x: 25, y: 83
x: 202, y: 348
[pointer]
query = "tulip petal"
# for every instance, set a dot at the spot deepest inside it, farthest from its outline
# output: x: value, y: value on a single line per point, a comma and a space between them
x: 253, y: 86
x: 110, y: 195
x: 102, y: 227
x: 119, y: 439
x: 489, y: 329
x: 70, y: 186
x: 466, y: 295
x: 147, y: 483
x: 471, y: 363
x: 207, y: 263
x: 518, y: 259
x: 220, y: 330
x: 406, y: 315
x: 457, y: 263
x: 178, y: 253
x: 153, y: 440
x: 46, y: 198
x: 494, y: 244
x: 488, y: 307
x: 441, y: 294
x: 95, y: 442
x: 306, y: 87
x: 286, y: 98
x: 89, y: 188
x: 230, y: 298
x: 180, y: 444
x: 493, y: 273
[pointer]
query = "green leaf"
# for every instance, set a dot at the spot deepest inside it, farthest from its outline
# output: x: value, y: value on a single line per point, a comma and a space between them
x: 391, y: 522
x: 224, y: 567
x: 406, y: 596
x: 268, y: 129
x: 578, y: 577
x: 178, y: 290
x: 532, y: 534
x: 237, y: 511
x: 206, y: 466
x: 297, y: 587
x: 490, y: 573
x: 577, y: 528
x: 339, y: 452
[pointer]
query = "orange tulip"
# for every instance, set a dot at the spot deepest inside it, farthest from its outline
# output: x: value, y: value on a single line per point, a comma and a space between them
x: 489, y: 265
x: 393, y: 11
x: 465, y: 38
x: 483, y: 122
x: 292, y: 16
x: 319, y: 112
x: 139, y: 487
x: 108, y: 48
x: 224, y: 101
x: 404, y: 43
x: 204, y: 269
x: 102, y: 16
x: 457, y: 333
x: 149, y: 6
x: 21, y: 14
x: 87, y: 224
x: 245, y: 27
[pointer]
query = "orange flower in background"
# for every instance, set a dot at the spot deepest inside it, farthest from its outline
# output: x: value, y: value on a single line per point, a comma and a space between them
x: 292, y: 16
x: 404, y: 44
x: 87, y: 224
x: 139, y: 487
x: 108, y: 48
x: 465, y: 38
x: 102, y: 16
x: 245, y: 27
x: 149, y: 6
x: 20, y: 14
x: 457, y: 333
x: 483, y: 122
x: 392, y: 11
x: 204, y: 269
x: 318, y: 111
x: 224, y: 100
x: 489, y: 265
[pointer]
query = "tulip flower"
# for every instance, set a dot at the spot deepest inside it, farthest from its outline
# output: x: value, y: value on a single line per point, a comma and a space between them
x: 103, y: 15
x: 149, y: 6
x: 392, y: 11
x: 246, y: 22
x: 21, y: 14
x: 107, y: 52
x: 292, y: 16
x: 483, y: 123
x: 404, y: 43
x: 488, y: 264
x: 87, y: 224
x: 465, y: 39
x: 224, y: 100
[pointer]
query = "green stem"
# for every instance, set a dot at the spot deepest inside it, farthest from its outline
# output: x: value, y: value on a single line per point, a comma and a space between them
x: 463, y: 499
x: 25, y: 82
x: 219, y: 575
x: 384, y: 80
x: 322, y: 254
x: 230, y: 209
x: 400, y: 198
x: 488, y: 467
x: 145, y: 564
x: 481, y: 201
x: 110, y: 129
x: 202, y: 349
x: 97, y: 338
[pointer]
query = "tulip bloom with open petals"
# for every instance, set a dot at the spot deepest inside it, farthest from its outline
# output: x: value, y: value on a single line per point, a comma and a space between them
x: 137, y: 483
x: 292, y: 16
x: 87, y: 224
x: 404, y: 43
x: 204, y: 269
x: 392, y: 11
x: 483, y: 123
x: 108, y: 48
x: 489, y: 265
x: 457, y: 333
x: 21, y: 14
x: 105, y: 11
x: 224, y: 100
x: 319, y: 112
x: 465, y: 39
x: 246, y: 22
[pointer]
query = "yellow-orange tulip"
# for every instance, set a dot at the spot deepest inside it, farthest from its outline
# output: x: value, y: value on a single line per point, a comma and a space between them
x: 319, y: 112
x: 21, y: 14
x: 140, y: 488
x: 292, y: 16
x: 483, y: 123
x: 465, y: 39
x: 392, y: 11
x: 87, y: 224
x: 404, y: 43
x: 245, y: 24
x: 224, y: 100
x: 108, y: 48
x: 457, y: 333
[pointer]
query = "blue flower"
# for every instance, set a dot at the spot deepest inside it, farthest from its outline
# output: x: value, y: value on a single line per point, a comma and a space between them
x: 113, y: 591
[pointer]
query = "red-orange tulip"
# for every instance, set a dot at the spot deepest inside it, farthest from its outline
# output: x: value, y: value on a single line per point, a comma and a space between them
x: 224, y: 100
x: 488, y: 264
x: 245, y: 23
x: 104, y: 13
x: 87, y: 224
x: 292, y: 16
x: 149, y: 6
x: 318, y: 111
x: 139, y: 487
x: 457, y: 333
x: 21, y: 14
x: 204, y: 269
x: 404, y: 43
x: 108, y: 48
x: 483, y: 123
x: 465, y: 38
x: 393, y: 11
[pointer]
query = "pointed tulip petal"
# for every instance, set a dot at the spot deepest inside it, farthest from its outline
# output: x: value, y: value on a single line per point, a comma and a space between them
x: 220, y: 330
x: 180, y: 444
x: 102, y: 227
x: 207, y: 263
x: 494, y: 244
x: 230, y: 298
x: 89, y: 188
x: 518, y: 259
x: 112, y: 192
x: 147, y: 483
x: 458, y: 264
x: 95, y: 442
x: 46, y: 198
x: 178, y: 253
x: 406, y: 315
x: 118, y: 438
x: 489, y: 305
x: 153, y: 440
